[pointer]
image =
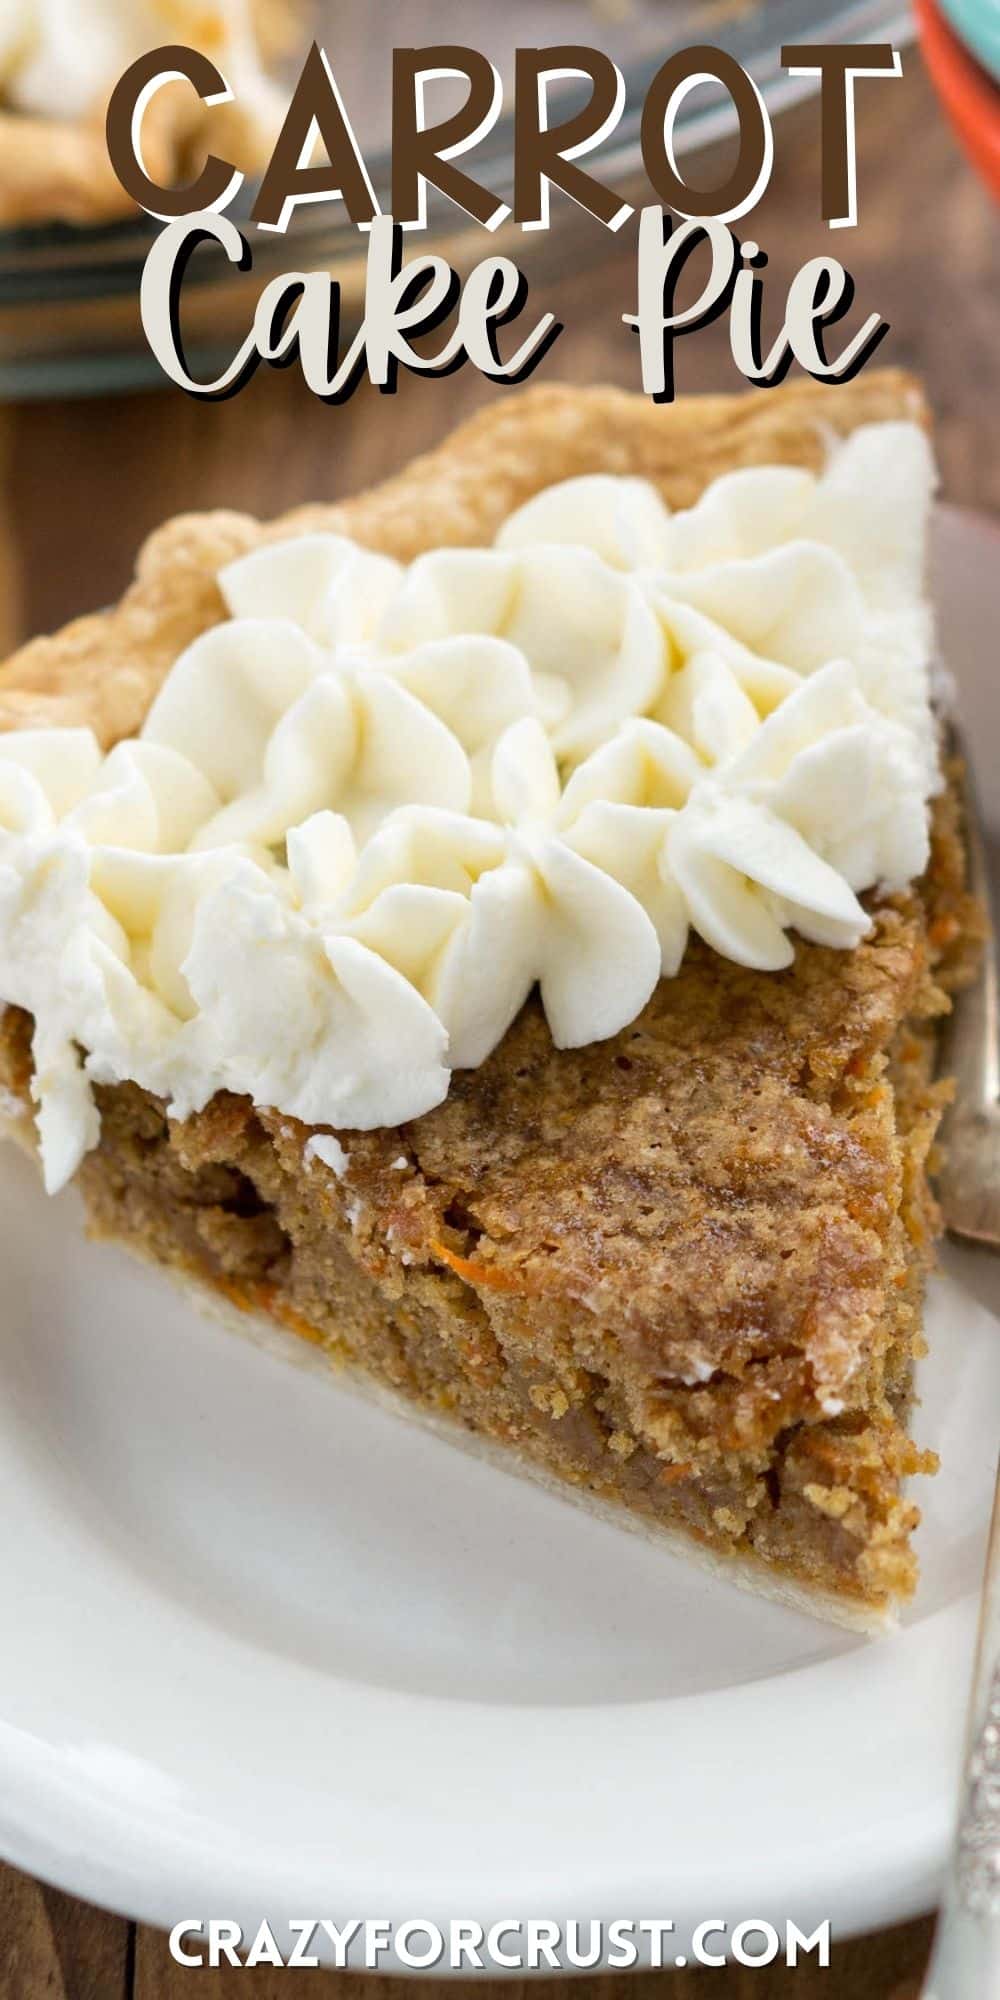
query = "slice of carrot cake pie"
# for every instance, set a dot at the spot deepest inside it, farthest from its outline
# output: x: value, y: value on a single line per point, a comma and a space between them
x: 495, y: 929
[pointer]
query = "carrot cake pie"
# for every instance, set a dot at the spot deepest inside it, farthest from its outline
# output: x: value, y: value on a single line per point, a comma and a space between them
x: 495, y: 929
x: 59, y: 62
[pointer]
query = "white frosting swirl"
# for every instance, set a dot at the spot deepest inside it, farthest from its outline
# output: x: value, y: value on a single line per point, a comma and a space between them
x: 375, y: 807
x: 59, y: 58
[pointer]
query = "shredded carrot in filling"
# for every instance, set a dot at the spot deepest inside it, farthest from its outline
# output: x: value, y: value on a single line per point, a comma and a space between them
x: 237, y: 1295
x: 264, y: 1298
x: 671, y: 1475
x: 298, y: 1325
x: 488, y: 1275
x: 943, y: 931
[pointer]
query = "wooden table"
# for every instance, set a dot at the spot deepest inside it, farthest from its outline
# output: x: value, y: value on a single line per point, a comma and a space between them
x: 86, y: 481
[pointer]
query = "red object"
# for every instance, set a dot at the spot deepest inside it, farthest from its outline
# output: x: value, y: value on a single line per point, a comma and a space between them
x: 968, y: 92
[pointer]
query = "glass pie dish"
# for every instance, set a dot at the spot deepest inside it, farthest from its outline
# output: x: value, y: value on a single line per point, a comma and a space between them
x: 69, y: 297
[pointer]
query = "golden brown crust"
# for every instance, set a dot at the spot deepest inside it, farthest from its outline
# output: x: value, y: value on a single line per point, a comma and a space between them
x: 58, y: 169
x: 55, y: 170
x: 104, y: 671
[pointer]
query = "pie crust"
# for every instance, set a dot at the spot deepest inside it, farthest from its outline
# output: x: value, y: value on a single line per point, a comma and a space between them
x: 744, y: 1168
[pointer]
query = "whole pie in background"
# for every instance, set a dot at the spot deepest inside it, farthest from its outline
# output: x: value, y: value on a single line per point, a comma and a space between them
x: 59, y: 62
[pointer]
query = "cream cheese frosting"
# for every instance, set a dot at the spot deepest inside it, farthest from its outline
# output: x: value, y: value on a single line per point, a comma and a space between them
x: 59, y: 58
x: 376, y: 806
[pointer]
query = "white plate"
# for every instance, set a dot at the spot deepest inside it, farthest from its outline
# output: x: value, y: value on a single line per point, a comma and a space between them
x: 267, y: 1650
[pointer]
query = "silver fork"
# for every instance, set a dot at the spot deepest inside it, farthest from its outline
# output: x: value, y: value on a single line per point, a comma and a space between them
x: 965, y: 1963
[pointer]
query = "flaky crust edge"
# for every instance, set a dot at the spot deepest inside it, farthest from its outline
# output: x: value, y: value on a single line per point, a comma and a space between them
x: 103, y: 671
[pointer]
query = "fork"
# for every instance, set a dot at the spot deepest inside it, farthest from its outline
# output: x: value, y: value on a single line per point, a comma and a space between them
x: 965, y: 1962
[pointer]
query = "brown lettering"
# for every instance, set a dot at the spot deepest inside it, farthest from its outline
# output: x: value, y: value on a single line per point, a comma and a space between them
x: 748, y: 178
x: 837, y: 65
x: 422, y: 157
x: 218, y: 176
x: 315, y: 107
x: 541, y: 155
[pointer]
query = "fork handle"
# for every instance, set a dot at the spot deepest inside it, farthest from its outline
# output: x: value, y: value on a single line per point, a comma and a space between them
x: 965, y: 1964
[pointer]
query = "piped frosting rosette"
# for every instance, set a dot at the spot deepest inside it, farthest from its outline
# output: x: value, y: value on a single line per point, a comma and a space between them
x: 374, y: 808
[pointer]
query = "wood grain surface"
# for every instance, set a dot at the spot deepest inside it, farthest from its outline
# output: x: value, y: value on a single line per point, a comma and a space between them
x: 84, y: 482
